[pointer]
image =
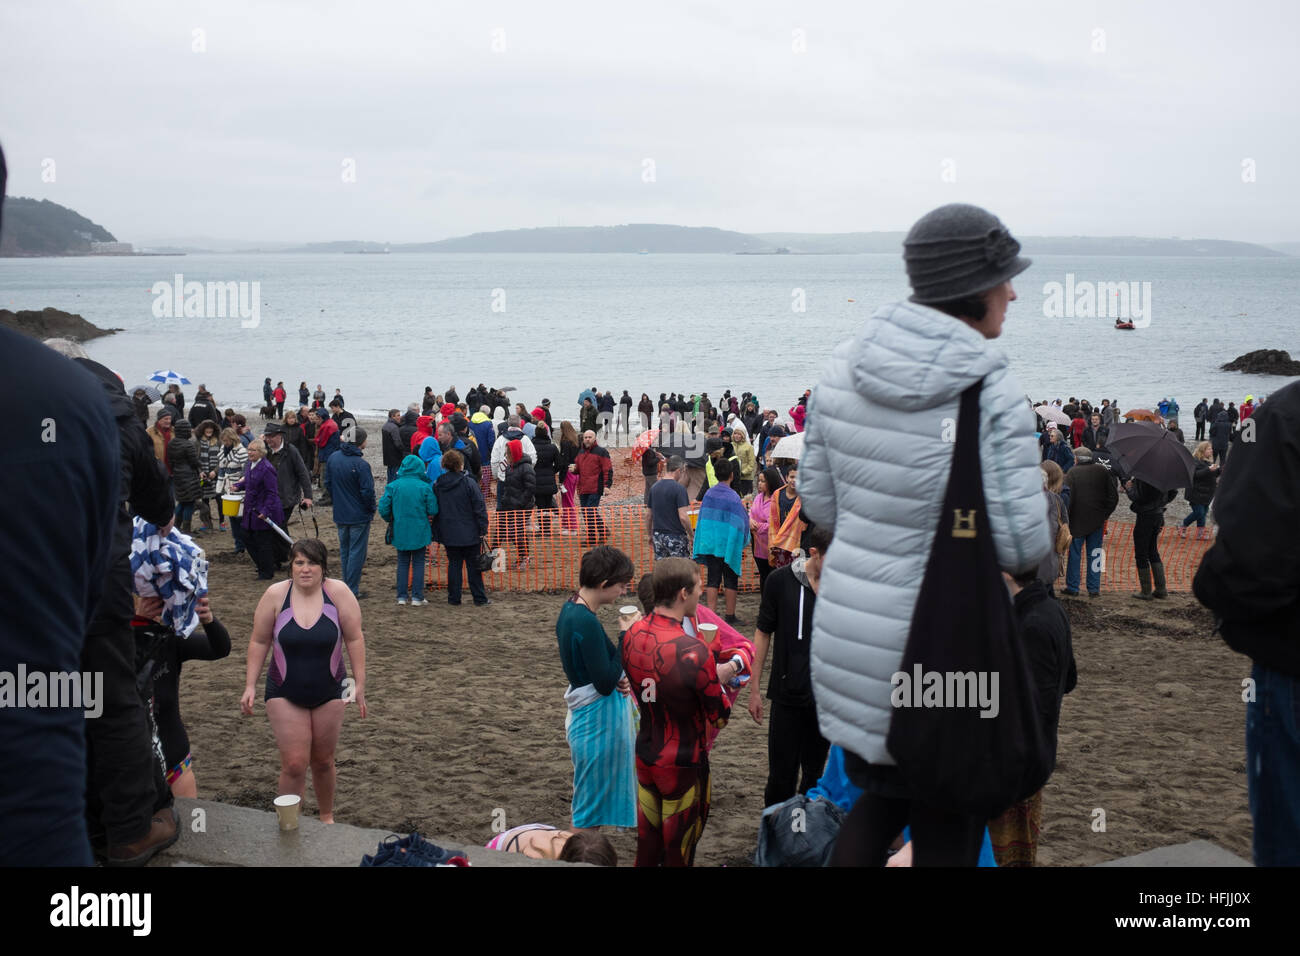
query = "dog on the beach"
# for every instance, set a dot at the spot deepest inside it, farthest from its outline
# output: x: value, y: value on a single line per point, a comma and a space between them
x: 267, y: 411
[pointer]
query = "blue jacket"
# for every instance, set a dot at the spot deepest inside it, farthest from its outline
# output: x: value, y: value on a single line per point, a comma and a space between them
x: 352, y: 486
x: 485, y: 433
x: 462, y: 516
x: 409, y: 502
x: 1059, y: 452
x: 431, y: 455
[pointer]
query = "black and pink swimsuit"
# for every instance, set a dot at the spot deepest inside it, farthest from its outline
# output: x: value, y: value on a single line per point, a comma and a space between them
x: 307, y: 663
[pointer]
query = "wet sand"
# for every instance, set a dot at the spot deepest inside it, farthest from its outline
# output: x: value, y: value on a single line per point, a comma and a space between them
x: 466, y: 725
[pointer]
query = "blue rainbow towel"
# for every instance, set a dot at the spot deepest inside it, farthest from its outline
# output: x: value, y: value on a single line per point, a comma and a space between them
x: 172, y: 568
x: 723, y: 526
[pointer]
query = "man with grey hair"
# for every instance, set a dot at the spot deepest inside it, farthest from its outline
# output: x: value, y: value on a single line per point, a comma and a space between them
x: 667, y: 513
x: 67, y: 348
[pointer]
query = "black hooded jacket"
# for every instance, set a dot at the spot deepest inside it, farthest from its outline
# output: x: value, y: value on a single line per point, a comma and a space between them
x: 407, y: 429
x: 548, y: 460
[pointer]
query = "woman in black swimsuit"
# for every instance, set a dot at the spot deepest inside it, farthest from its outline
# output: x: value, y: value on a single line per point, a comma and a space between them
x: 304, y: 624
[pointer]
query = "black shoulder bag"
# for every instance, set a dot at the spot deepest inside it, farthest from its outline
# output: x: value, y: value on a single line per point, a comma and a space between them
x: 961, y: 741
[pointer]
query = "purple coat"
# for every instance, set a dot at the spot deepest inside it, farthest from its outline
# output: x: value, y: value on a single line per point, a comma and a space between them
x: 261, y: 496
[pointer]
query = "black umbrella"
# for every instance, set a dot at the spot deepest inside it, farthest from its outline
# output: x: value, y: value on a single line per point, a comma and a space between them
x: 1153, y: 454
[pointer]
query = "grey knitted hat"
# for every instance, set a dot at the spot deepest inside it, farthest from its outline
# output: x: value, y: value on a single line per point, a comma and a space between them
x: 959, y: 250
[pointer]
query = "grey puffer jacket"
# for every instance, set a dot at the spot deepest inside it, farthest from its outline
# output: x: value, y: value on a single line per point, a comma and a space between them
x: 879, y: 444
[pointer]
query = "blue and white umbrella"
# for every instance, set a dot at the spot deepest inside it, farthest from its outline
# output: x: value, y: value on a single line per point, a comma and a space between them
x: 168, y: 377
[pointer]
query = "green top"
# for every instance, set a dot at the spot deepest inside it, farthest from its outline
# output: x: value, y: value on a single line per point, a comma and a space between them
x: 587, y: 653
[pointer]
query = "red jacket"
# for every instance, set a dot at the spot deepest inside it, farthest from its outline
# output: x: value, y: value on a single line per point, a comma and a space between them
x: 423, y: 430
x: 1076, y: 432
x: 279, y: 395
x: 324, y: 432
x: 595, y: 471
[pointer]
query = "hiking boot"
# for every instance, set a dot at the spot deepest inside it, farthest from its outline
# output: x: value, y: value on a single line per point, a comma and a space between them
x: 1069, y: 594
x: 164, y: 830
x: 1158, y: 576
x: 1144, y: 577
x: 734, y: 621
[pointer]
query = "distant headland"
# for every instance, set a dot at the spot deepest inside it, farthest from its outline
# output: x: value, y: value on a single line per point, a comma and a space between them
x: 43, y: 228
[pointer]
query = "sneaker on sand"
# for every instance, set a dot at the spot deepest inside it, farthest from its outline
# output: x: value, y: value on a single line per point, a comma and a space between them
x: 402, y: 602
x: 418, y: 602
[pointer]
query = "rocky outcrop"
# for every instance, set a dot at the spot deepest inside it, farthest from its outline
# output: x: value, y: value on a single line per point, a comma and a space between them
x: 52, y: 324
x: 1264, y: 362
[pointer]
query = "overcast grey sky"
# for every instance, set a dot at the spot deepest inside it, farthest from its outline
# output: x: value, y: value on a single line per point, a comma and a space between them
x: 1140, y: 130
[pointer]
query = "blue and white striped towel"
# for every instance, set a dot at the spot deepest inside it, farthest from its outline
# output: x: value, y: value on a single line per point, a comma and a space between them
x: 172, y: 568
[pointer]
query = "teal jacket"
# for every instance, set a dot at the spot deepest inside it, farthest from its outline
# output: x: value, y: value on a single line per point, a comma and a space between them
x: 409, y: 502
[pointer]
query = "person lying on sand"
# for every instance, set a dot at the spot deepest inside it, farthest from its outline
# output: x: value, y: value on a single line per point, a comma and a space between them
x: 539, y: 841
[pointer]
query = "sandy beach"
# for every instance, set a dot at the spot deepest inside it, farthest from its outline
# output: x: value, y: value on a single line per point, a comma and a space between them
x: 467, y: 722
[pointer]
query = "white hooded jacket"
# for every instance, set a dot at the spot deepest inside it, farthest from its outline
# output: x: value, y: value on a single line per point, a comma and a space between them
x: 880, y: 435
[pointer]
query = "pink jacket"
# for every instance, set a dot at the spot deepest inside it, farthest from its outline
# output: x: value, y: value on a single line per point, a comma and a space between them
x: 726, y: 645
x: 760, y: 512
x: 797, y: 415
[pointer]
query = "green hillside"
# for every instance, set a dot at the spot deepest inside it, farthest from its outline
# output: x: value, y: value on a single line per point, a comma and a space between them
x: 35, y: 227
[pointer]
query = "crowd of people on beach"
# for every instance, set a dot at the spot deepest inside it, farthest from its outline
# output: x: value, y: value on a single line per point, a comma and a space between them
x: 858, y: 509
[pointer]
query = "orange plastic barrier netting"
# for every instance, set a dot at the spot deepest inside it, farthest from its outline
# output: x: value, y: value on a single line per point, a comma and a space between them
x: 553, y: 558
x: 1180, y: 556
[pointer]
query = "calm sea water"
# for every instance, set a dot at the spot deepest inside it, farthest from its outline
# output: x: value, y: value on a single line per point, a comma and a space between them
x: 381, y: 327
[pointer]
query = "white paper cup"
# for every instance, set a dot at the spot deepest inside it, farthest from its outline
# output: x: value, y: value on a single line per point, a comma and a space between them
x: 627, y: 610
x: 708, y: 632
x: 286, y: 808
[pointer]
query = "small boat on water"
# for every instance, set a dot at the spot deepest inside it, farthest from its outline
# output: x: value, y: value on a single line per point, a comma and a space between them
x: 1120, y: 324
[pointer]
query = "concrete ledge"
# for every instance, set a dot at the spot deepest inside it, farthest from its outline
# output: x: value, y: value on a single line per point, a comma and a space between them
x: 238, y: 836
x: 1195, y: 853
